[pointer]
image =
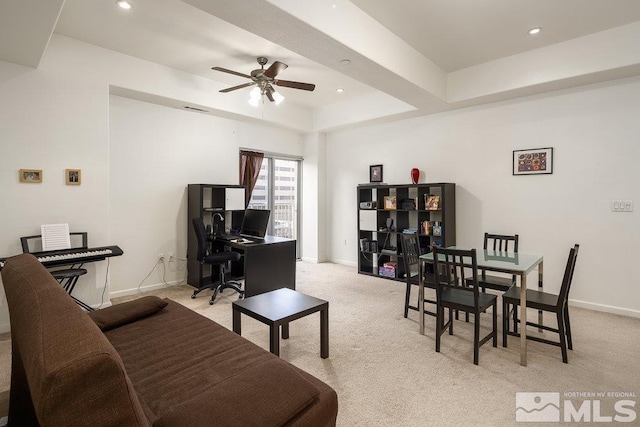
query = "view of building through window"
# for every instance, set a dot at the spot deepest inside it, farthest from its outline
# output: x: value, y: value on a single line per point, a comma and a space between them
x: 277, y: 189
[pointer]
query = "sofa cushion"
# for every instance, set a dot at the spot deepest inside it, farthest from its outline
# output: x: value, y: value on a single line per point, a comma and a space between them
x: 184, y: 355
x: 268, y: 394
x: 130, y: 311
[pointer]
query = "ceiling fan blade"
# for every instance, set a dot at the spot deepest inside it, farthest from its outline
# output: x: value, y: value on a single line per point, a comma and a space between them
x: 229, y: 89
x: 294, y: 85
x: 275, y: 69
x: 224, y: 70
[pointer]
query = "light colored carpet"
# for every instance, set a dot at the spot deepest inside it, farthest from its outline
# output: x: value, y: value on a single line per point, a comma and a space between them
x: 386, y: 373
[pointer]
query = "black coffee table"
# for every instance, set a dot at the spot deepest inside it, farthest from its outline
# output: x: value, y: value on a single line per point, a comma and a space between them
x: 278, y: 308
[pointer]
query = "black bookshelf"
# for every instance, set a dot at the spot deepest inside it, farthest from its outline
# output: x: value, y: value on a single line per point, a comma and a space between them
x: 377, y: 244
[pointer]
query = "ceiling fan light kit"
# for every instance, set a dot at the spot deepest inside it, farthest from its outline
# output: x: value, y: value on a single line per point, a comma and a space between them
x: 264, y: 80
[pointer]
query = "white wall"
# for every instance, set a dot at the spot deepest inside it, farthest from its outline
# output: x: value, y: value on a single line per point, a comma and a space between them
x: 155, y: 152
x: 132, y: 194
x: 314, y: 171
x: 594, y: 132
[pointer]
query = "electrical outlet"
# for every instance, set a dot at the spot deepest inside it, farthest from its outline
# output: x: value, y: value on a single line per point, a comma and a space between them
x: 170, y: 256
x: 160, y: 257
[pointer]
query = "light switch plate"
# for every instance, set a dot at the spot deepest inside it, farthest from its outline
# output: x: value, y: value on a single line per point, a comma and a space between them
x: 622, y: 206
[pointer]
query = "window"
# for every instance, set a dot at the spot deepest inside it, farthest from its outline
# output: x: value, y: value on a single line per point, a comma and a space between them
x: 269, y: 193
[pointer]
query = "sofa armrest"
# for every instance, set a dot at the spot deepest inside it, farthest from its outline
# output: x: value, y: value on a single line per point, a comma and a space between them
x: 268, y: 394
x: 127, y: 312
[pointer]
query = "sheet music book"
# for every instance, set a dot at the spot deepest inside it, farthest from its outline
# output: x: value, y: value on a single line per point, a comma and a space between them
x: 55, y: 237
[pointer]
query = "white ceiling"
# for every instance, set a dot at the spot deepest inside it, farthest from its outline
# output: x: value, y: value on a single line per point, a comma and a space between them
x: 418, y: 52
x: 458, y: 34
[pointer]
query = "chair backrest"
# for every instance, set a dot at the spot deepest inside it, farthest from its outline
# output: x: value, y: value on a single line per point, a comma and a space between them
x: 410, y: 254
x: 563, y: 296
x: 449, y: 266
x: 201, y: 237
x: 31, y: 244
x: 500, y: 242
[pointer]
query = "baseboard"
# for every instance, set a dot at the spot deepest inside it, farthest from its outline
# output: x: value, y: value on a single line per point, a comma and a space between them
x: 312, y: 260
x: 344, y: 262
x: 605, y: 308
x: 143, y: 289
x: 4, y: 328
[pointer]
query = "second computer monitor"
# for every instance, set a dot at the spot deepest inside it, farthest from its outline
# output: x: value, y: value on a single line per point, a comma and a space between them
x: 255, y: 222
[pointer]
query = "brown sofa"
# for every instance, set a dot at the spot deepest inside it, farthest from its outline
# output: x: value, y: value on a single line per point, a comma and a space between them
x: 147, y: 362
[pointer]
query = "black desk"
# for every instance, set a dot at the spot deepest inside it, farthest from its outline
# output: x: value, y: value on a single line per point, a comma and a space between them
x: 266, y: 265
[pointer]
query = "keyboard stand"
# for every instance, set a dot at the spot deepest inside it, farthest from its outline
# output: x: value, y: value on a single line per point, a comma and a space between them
x: 68, y: 279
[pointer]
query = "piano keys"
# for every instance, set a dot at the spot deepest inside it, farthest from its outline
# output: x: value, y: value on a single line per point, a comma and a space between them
x: 74, y: 256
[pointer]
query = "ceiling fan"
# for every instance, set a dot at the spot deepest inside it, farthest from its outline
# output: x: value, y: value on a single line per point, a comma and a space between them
x: 265, y: 79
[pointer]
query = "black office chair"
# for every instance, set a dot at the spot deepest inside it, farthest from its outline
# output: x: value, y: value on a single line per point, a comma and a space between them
x: 557, y: 304
x: 411, y: 257
x: 67, y: 277
x: 497, y: 242
x: 454, y: 293
x: 220, y: 259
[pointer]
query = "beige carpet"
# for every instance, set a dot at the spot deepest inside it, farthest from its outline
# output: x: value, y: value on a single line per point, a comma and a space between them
x: 386, y: 373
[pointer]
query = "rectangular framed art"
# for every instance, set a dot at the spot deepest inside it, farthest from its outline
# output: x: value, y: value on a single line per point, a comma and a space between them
x: 390, y: 202
x: 73, y: 176
x: 31, y: 175
x: 534, y: 161
x: 375, y: 173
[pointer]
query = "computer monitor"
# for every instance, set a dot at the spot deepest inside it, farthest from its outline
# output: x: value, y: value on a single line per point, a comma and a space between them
x: 254, y: 223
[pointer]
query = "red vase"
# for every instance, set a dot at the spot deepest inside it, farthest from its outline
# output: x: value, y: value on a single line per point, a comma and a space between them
x: 415, y: 175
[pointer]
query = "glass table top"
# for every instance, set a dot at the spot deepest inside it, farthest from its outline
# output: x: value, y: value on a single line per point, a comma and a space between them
x: 510, y: 262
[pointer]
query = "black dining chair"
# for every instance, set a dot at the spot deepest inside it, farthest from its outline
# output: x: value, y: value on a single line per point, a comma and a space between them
x: 499, y: 243
x: 411, y: 257
x: 221, y: 259
x: 455, y: 292
x: 544, y: 301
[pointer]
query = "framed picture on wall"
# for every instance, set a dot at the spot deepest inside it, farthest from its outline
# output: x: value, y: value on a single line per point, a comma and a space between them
x: 31, y: 175
x: 534, y: 161
x: 72, y: 176
x: 375, y: 173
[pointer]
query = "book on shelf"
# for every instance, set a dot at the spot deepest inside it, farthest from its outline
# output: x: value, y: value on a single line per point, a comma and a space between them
x: 410, y: 231
x: 431, y: 202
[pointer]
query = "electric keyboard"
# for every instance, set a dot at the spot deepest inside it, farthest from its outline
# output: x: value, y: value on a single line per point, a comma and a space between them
x: 74, y: 256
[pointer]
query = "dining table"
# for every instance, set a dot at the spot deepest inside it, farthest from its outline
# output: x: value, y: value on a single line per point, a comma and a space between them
x: 515, y: 263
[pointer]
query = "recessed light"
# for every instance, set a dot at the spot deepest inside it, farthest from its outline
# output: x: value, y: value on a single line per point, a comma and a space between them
x: 345, y: 62
x: 340, y: 90
x: 535, y: 30
x: 123, y: 4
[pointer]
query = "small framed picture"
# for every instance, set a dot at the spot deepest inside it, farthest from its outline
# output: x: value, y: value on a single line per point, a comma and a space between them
x: 73, y: 176
x: 431, y: 202
x: 31, y: 175
x: 534, y: 161
x: 390, y: 202
x: 375, y: 173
